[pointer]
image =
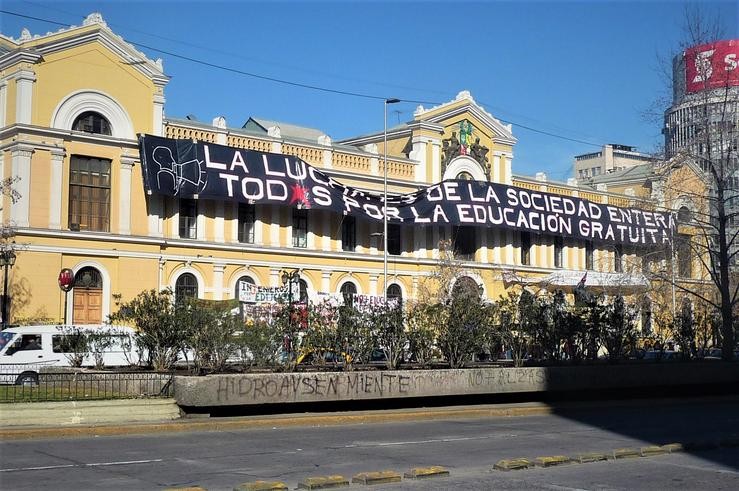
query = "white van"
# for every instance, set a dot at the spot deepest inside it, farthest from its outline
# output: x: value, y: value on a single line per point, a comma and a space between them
x: 25, y: 350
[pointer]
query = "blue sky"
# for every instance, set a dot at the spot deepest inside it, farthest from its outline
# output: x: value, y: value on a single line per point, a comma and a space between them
x: 583, y: 70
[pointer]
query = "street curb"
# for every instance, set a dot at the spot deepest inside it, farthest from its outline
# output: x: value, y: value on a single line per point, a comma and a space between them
x: 323, y: 482
x: 551, y: 461
x: 278, y: 421
x: 261, y: 486
x: 513, y: 464
x: 380, y: 477
x: 426, y: 472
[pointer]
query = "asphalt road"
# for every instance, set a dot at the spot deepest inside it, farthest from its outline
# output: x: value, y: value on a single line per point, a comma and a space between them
x: 467, y: 447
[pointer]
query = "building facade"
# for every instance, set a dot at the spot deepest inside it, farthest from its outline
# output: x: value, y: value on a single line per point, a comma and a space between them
x: 610, y: 158
x: 71, y: 106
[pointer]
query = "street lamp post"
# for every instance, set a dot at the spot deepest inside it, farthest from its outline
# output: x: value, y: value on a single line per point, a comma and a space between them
x: 288, y: 279
x: 7, y: 260
x: 384, y: 211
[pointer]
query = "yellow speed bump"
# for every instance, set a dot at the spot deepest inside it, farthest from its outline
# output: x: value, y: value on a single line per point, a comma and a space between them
x: 626, y: 453
x: 323, y: 482
x: 673, y: 447
x: 187, y: 488
x: 652, y: 450
x: 262, y: 486
x: 552, y: 460
x: 380, y: 477
x: 426, y: 472
x: 588, y: 457
x: 512, y: 464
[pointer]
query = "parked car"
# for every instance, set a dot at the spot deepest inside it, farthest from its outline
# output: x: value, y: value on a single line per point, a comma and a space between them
x: 312, y: 356
x: 25, y: 350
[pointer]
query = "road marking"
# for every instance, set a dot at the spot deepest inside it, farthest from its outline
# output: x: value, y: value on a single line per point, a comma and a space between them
x: 94, y: 464
x: 417, y: 442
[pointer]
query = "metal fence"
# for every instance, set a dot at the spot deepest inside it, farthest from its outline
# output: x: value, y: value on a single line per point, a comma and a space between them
x: 87, y: 386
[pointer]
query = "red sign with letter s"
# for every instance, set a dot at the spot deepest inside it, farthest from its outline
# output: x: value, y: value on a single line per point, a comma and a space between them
x: 712, y: 66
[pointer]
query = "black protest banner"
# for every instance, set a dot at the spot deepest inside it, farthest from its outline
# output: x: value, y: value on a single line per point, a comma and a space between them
x: 184, y: 168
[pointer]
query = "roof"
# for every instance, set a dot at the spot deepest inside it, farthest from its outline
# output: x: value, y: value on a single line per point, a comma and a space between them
x: 636, y: 173
x: 287, y: 130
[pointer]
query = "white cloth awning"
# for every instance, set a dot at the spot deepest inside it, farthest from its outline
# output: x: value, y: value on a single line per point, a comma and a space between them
x: 570, y: 278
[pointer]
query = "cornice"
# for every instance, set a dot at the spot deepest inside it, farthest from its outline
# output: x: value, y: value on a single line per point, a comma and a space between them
x: 65, y: 135
x: 19, y: 56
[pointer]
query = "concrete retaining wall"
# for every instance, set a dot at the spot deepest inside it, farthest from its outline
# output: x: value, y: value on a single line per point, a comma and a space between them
x: 88, y: 412
x: 270, y: 388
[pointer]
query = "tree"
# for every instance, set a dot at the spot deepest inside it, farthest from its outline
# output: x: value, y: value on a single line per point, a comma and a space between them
x: 619, y: 330
x: 708, y: 144
x: 153, y: 314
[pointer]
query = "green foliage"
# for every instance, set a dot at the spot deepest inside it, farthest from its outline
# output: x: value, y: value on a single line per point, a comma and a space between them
x: 460, y: 336
x: 423, y: 321
x: 387, y: 323
x: 153, y: 314
x: 74, y: 342
x: 618, y: 332
x: 210, y: 329
x: 258, y: 344
x: 506, y: 321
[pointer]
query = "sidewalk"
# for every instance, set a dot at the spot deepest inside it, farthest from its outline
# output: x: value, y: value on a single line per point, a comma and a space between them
x: 196, y: 424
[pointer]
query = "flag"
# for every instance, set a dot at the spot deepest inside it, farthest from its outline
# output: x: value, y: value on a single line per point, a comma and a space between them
x: 582, y: 280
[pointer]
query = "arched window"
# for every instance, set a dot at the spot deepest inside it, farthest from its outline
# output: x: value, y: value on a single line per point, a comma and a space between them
x: 394, y: 292
x: 348, y: 290
x: 303, y: 291
x: 466, y: 176
x: 186, y: 287
x: 243, y: 279
x: 465, y: 286
x: 684, y: 215
x: 92, y: 122
x: 88, y: 277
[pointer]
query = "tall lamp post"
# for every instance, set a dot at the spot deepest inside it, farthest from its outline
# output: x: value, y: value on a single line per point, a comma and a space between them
x: 7, y: 260
x: 384, y: 211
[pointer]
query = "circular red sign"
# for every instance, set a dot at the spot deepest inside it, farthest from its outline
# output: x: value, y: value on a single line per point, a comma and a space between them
x: 66, y: 279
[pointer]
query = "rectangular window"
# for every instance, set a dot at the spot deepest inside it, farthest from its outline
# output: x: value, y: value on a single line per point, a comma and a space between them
x: 89, y: 194
x: 300, y: 228
x: 394, y: 242
x: 465, y: 243
x: 558, y: 251
x: 618, y: 258
x: 188, y: 219
x: 684, y: 257
x: 589, y: 263
x: 246, y: 223
x: 348, y: 233
x: 525, y: 248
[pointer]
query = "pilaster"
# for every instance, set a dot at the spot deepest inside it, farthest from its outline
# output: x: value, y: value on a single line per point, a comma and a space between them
x: 24, y: 80
x: 21, y: 168
x: 218, y: 269
x: 56, y: 190
x: 124, y: 200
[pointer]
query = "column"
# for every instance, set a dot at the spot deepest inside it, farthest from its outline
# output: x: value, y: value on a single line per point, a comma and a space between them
x: 201, y: 220
x: 274, y: 277
x: 419, y: 155
x: 155, y: 209
x: 218, y: 270
x: 174, y: 224
x: 258, y: 224
x: 233, y: 223
x: 497, y: 259
x: 508, y: 173
x: 55, y: 188
x: 496, y: 167
x: 326, y: 281
x: 3, y: 101
x: 326, y: 218
x: 373, y: 284
x: 509, y: 247
x: 274, y: 228
x: 21, y: 168
x: 158, y: 112
x: 124, y: 199
x: 24, y: 80
x: 483, y: 234
x: 219, y: 223
x: 435, y: 161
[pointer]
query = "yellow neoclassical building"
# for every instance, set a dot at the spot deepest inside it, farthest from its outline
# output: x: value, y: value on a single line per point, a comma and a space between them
x: 71, y: 106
